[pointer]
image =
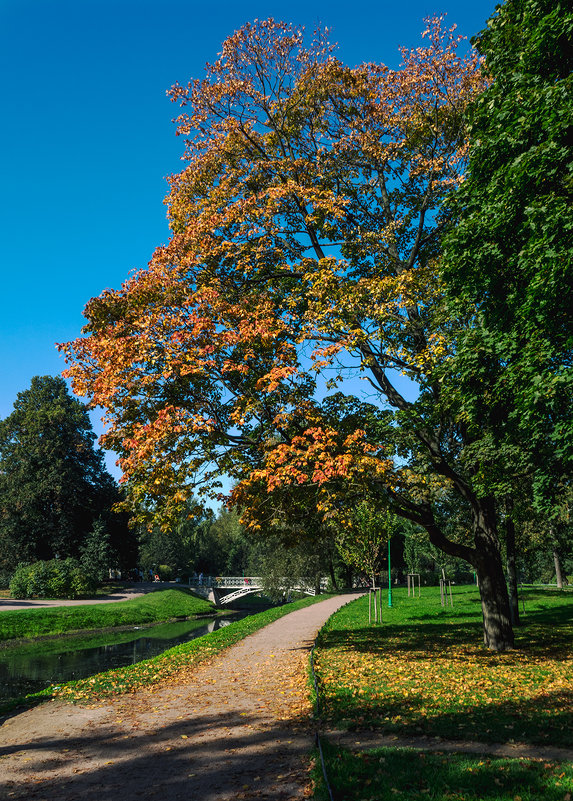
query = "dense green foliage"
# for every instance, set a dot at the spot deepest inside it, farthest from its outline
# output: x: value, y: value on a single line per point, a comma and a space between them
x: 53, y: 483
x: 150, y: 608
x: 57, y: 578
x: 97, y: 553
x: 220, y: 546
x: 228, y: 545
x: 508, y: 259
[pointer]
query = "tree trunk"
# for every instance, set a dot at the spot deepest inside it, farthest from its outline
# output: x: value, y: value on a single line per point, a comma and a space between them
x: 332, y: 575
x: 511, y: 569
x: 486, y: 559
x: 497, y: 628
x: 558, y: 573
x: 348, y: 576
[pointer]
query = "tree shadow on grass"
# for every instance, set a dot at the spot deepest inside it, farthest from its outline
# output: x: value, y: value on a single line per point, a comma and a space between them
x: 545, y: 632
x: 502, y: 720
x: 385, y: 773
x: 489, y: 706
x: 560, y: 613
x: 402, y: 637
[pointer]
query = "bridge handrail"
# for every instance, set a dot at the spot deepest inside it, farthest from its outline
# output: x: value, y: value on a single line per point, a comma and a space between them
x: 243, y: 581
x: 224, y: 581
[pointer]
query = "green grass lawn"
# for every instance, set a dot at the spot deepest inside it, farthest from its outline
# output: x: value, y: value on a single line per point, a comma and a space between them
x: 150, y: 608
x: 399, y: 774
x: 424, y: 671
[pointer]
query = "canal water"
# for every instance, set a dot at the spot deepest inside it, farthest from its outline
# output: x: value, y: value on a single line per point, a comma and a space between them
x: 30, y: 667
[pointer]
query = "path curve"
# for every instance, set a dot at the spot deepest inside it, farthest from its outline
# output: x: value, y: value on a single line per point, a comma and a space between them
x: 247, y: 739
x: 126, y: 594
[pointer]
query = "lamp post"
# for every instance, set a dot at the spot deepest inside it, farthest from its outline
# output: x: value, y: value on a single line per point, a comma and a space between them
x: 389, y: 575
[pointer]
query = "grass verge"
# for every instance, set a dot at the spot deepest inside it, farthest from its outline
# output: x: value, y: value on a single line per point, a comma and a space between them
x: 423, y: 671
x: 391, y: 774
x: 150, y: 608
x: 173, y: 665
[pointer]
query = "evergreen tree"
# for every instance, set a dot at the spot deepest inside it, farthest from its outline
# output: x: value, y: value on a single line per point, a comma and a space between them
x: 98, y: 555
x: 53, y: 483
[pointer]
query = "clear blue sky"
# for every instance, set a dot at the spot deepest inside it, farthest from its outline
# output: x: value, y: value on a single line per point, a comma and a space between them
x: 86, y: 139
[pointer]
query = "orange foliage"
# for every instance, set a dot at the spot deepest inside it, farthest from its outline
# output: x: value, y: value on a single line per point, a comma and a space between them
x: 304, y: 228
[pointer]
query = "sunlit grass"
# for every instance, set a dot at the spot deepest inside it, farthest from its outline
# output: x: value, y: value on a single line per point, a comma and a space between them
x: 69, y: 643
x: 424, y: 670
x: 152, y: 607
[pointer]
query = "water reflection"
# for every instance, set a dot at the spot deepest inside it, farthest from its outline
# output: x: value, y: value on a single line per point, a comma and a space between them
x: 31, y: 667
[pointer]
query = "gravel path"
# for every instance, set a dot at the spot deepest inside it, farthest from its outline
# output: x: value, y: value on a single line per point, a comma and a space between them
x: 237, y: 730
x: 126, y: 594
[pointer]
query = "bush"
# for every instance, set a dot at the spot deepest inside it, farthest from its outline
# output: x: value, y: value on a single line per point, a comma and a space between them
x: 19, y: 582
x: 165, y: 572
x: 58, y: 578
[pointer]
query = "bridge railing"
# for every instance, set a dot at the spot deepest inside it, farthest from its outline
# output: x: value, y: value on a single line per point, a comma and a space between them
x: 230, y: 582
x: 225, y: 581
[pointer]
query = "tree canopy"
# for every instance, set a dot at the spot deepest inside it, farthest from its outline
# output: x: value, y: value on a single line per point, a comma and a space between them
x: 508, y: 258
x: 307, y: 229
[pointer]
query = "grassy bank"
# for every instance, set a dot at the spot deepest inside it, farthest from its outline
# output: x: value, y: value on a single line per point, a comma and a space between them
x: 424, y: 671
x: 150, y: 608
x: 172, y: 665
x: 73, y: 642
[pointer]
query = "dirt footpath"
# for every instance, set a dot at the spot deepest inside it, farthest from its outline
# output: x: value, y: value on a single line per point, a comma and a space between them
x: 126, y: 594
x: 237, y: 730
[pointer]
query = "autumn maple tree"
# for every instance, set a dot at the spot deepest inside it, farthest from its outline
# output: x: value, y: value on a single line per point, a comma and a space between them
x: 306, y: 230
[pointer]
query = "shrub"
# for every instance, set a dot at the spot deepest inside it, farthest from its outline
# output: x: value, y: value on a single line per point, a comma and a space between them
x: 58, y: 578
x: 19, y: 581
x: 165, y: 572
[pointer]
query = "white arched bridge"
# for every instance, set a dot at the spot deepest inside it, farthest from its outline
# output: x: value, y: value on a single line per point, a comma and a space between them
x: 223, y: 590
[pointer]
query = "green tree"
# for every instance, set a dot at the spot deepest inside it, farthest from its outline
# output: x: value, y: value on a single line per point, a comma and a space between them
x: 53, y: 483
x: 508, y: 260
x: 55, y: 578
x: 364, y: 542
x: 185, y: 547
x: 238, y: 553
x: 97, y: 553
x: 288, y: 568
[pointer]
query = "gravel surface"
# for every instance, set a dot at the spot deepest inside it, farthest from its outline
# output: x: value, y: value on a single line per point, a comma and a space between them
x: 122, y: 595
x: 239, y: 729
